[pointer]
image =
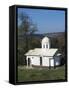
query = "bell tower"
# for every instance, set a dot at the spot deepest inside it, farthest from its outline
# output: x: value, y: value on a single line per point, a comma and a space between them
x: 45, y: 43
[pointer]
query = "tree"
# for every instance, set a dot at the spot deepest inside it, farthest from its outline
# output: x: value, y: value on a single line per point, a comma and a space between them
x: 26, y: 28
x: 54, y: 42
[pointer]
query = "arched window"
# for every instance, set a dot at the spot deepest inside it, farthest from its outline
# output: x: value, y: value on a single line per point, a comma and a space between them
x: 43, y: 46
x: 46, y: 45
x: 41, y: 61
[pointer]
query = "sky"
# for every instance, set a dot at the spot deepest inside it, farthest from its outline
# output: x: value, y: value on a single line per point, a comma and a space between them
x: 47, y: 21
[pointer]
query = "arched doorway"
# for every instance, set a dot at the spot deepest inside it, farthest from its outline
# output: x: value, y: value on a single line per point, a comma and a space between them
x: 28, y: 61
x: 40, y: 61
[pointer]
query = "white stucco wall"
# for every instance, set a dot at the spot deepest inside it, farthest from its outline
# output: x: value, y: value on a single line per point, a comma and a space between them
x: 45, y: 61
x: 51, y: 61
x: 35, y: 60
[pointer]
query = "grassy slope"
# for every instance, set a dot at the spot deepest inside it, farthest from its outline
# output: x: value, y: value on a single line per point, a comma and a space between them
x: 41, y: 74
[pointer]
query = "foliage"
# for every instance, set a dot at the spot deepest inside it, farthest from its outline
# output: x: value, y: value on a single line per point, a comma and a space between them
x: 59, y: 42
x: 25, y: 39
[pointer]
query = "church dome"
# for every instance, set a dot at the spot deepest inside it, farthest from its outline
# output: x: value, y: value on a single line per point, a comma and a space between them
x: 45, y: 40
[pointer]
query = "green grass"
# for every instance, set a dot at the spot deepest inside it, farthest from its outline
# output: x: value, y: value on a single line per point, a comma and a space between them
x: 38, y: 74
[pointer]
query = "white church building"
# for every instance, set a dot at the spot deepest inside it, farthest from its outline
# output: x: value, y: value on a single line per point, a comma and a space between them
x: 44, y: 56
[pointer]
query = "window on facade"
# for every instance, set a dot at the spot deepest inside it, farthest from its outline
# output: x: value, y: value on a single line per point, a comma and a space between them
x: 28, y: 61
x: 41, y: 61
x: 43, y: 46
x: 46, y: 46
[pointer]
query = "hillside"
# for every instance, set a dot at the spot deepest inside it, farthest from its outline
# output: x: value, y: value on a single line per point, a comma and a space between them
x: 55, y: 34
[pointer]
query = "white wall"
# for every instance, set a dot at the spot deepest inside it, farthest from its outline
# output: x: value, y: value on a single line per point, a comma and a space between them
x: 51, y: 61
x: 45, y: 61
x: 36, y: 60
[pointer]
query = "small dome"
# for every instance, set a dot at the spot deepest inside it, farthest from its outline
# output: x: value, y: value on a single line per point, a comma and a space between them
x: 59, y: 54
x: 45, y: 39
